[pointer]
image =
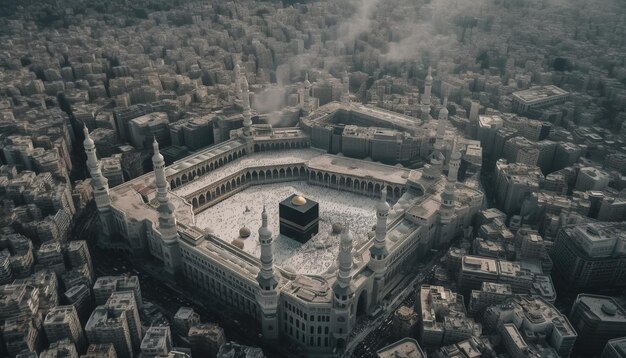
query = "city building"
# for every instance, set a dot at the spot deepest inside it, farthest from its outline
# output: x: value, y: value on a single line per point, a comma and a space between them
x: 405, y: 321
x: 534, y: 322
x: 615, y: 348
x: 124, y: 302
x: 407, y: 347
x: 443, y: 317
x: 206, y: 339
x: 107, y: 326
x: 597, y: 319
x: 106, y: 285
x: 538, y: 97
x: 157, y: 342
x: 62, y: 322
x: 80, y: 297
x: 590, y: 178
x: 184, y: 318
x: 111, y: 168
x: 523, y: 278
x: 490, y: 294
x: 103, y: 350
x: 62, y: 348
x: 143, y: 129
x: 591, y: 255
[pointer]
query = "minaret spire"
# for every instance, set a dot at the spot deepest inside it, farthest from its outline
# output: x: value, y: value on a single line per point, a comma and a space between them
x: 344, y: 258
x: 428, y: 84
x: 167, y: 218
x: 100, y: 185
x: 449, y: 194
x: 441, y: 123
x: 379, y: 250
x: 266, y: 276
x: 247, y: 112
x: 237, y: 71
x: 267, y: 296
x: 345, y: 80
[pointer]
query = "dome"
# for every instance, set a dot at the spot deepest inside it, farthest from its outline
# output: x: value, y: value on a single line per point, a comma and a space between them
x: 244, y: 232
x: 298, y: 200
x: 609, y: 308
x: 337, y: 228
x: 238, y: 243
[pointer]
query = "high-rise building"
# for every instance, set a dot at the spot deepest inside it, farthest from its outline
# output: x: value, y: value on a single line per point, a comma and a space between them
x: 538, y: 97
x: 489, y: 294
x: 535, y: 317
x: 143, y: 129
x: 206, y: 340
x: 615, y: 348
x: 22, y: 334
x: 407, y: 347
x: 64, y: 348
x: 591, y: 255
x: 107, y: 326
x: 77, y: 254
x: 590, y: 178
x: 443, y: 317
x: 597, y: 320
x: 404, y: 322
x: 487, y: 127
x: 125, y: 302
x: 62, y: 322
x: 102, y: 350
x: 157, y: 342
x: 112, y: 170
x: 105, y: 285
x: 80, y: 297
x: 184, y: 318
x: 50, y: 256
x: 475, y: 270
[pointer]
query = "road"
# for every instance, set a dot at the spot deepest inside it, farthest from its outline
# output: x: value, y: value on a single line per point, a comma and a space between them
x: 377, y: 332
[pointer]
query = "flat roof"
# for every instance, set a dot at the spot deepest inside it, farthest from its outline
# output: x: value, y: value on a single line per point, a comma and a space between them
x: 364, y: 169
x: 535, y: 94
x: 406, y: 347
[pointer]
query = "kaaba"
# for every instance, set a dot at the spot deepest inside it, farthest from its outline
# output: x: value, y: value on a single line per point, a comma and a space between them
x: 299, y: 218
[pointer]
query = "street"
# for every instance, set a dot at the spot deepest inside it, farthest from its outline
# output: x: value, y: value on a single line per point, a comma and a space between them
x: 378, y: 332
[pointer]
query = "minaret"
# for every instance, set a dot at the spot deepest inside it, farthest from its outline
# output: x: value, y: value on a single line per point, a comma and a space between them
x: 167, y: 219
x: 100, y: 185
x: 378, y: 251
x: 247, y: 112
x: 344, y: 259
x: 237, y: 71
x: 443, y: 116
x: 441, y: 127
x: 343, y: 292
x: 267, y: 294
x: 345, y: 80
x: 266, y: 277
x: 448, y: 196
x: 428, y: 84
x: 307, y: 90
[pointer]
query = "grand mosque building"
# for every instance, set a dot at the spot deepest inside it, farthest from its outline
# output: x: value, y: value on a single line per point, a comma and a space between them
x: 214, y: 217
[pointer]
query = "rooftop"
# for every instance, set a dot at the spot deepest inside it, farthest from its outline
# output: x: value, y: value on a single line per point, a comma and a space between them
x: 406, y: 347
x: 604, y: 308
x: 539, y: 93
x: 295, y: 156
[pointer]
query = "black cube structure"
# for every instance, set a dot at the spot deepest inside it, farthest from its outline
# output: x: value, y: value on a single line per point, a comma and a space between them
x: 299, y: 218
